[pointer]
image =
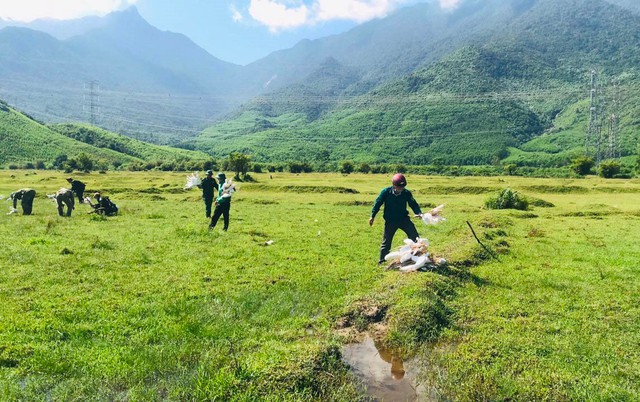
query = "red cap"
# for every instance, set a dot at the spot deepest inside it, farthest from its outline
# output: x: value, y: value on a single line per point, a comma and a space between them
x: 399, y: 180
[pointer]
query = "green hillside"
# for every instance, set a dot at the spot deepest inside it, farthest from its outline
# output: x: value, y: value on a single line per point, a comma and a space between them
x: 100, y: 138
x: 506, y: 94
x: 24, y: 140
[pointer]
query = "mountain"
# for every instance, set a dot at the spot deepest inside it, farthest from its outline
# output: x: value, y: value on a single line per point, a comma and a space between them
x: 135, y: 78
x: 468, y: 86
x: 490, y: 95
x: 23, y: 140
x: 127, y: 76
x: 631, y: 5
x: 59, y: 29
x: 387, y: 48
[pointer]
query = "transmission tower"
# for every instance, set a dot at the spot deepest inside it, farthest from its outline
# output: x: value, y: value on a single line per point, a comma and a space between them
x: 92, y: 87
x: 613, y: 138
x: 592, y: 143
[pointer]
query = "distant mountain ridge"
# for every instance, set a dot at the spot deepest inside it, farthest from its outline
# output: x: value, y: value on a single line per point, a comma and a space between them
x: 380, y: 81
x: 131, y: 63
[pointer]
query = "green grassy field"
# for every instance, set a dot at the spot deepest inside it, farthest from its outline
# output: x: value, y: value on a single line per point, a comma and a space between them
x: 150, y: 305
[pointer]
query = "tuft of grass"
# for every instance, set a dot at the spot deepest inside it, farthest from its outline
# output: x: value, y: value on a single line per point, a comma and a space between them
x: 507, y: 199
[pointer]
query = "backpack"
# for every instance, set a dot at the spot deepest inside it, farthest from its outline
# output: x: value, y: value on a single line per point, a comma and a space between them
x: 108, y: 207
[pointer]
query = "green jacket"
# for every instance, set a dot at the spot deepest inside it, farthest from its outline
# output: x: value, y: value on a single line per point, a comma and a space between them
x: 395, y: 206
x: 222, y: 200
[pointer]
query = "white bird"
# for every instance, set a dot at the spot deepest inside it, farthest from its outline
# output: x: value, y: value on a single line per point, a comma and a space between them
x: 413, y: 256
x: 419, y: 262
x: 433, y: 217
x: 228, y: 188
x: 193, y: 180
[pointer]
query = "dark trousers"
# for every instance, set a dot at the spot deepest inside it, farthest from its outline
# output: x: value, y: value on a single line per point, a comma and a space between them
x: 27, y: 205
x: 208, y: 201
x: 221, y: 209
x: 61, y: 207
x: 390, y: 229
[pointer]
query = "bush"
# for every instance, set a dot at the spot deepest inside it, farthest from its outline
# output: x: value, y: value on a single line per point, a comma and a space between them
x: 582, y: 165
x: 508, y: 199
x: 510, y: 169
x: 347, y: 167
x: 364, y: 168
x: 609, y: 169
x: 297, y: 167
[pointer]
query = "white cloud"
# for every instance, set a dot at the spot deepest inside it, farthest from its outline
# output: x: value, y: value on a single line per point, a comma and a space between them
x: 287, y: 14
x: 354, y: 10
x: 449, y: 4
x: 279, y: 16
x: 29, y: 10
x: 235, y: 14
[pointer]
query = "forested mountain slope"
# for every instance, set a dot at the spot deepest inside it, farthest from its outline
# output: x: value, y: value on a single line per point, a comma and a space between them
x: 24, y: 140
x: 470, y: 107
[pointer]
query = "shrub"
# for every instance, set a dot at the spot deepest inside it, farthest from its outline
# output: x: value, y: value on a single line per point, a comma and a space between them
x: 507, y: 199
x: 400, y: 168
x: 346, y: 167
x: 582, y: 165
x: 364, y: 168
x: 510, y: 169
x: 609, y: 169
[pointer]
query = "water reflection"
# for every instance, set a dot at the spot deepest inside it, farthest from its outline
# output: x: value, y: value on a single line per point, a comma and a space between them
x: 397, y: 365
x: 386, y: 376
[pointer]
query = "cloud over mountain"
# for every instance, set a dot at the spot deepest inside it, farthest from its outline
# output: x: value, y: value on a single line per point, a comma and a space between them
x: 280, y: 15
x: 29, y: 10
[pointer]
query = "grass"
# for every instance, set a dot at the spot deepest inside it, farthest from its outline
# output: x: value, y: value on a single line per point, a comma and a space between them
x: 150, y: 305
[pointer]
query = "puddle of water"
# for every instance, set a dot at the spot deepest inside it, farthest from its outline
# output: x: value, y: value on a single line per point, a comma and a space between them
x: 384, y: 374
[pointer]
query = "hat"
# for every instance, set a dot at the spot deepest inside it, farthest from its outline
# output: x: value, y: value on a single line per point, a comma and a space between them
x: 221, y: 176
x: 209, y: 172
x: 399, y: 180
x: 96, y: 195
x: 69, y: 178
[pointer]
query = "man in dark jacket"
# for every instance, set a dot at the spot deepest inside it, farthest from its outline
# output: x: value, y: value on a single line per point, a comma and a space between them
x: 103, y: 205
x: 26, y: 197
x: 208, y: 186
x: 78, y: 189
x: 395, y: 200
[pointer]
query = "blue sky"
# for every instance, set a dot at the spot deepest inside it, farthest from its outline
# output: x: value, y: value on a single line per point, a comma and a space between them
x: 238, y: 31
